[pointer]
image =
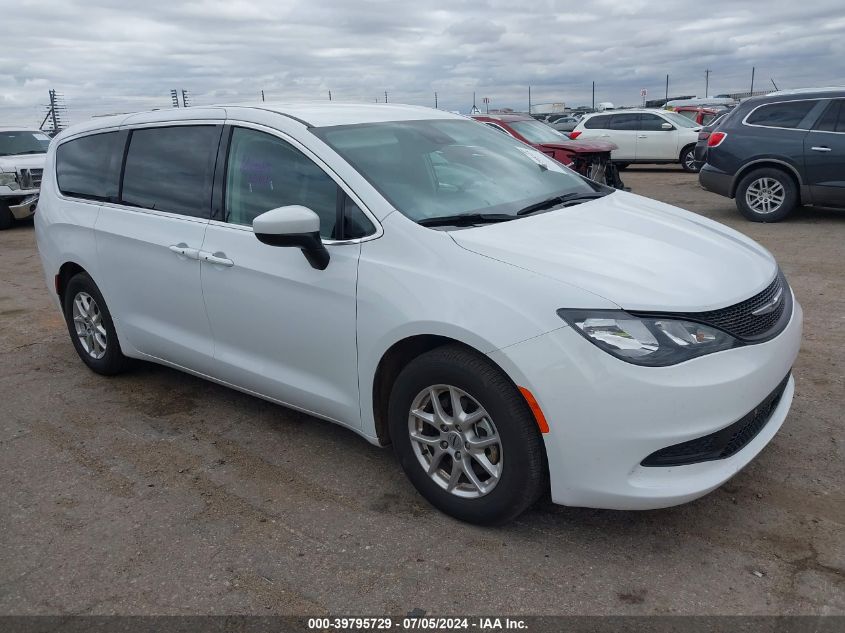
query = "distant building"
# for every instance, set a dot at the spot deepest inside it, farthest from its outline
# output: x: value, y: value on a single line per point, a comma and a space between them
x: 548, y: 108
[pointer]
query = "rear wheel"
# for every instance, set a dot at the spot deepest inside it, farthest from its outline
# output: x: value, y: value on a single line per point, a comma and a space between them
x: 766, y: 195
x: 465, y: 436
x: 687, y: 159
x: 6, y: 219
x: 91, y: 328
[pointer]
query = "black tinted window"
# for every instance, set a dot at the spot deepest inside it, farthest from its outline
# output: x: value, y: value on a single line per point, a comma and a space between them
x: 788, y: 114
x: 833, y: 119
x: 598, y: 123
x: 355, y: 223
x: 652, y: 122
x: 625, y: 122
x: 265, y: 172
x: 171, y: 169
x: 85, y: 169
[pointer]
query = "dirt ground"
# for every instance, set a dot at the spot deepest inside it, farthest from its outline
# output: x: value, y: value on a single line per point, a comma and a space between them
x: 158, y: 493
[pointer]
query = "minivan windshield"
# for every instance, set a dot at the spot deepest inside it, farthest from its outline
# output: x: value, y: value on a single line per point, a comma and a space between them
x: 23, y: 142
x: 441, y: 168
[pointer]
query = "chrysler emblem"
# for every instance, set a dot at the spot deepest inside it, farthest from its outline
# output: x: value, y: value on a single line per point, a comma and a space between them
x: 770, y: 306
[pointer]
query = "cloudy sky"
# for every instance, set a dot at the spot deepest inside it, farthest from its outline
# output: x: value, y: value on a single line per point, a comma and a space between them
x: 125, y: 55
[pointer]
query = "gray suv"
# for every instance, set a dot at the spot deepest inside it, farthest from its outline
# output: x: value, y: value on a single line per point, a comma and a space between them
x: 775, y: 152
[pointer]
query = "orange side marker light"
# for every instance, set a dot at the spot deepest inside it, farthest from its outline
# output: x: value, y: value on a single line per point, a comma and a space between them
x: 535, y: 409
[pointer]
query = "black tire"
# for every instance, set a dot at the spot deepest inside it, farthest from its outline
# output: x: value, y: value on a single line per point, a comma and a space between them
x: 523, y: 469
x: 113, y: 361
x: 688, y: 162
x: 784, y: 180
x: 621, y: 166
x: 6, y: 219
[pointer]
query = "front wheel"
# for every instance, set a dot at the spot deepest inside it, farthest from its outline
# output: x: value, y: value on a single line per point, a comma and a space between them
x: 465, y: 436
x: 766, y: 195
x: 688, y: 161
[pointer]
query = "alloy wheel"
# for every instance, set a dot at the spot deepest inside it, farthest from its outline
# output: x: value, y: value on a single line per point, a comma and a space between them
x: 88, y: 323
x: 689, y: 160
x: 455, y: 441
x: 765, y: 195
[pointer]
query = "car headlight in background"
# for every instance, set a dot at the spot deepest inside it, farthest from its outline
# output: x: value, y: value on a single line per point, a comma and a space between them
x: 649, y: 341
x: 9, y: 180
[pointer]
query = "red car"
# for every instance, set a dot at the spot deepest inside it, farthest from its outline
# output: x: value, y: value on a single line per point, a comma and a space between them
x: 588, y: 158
x: 699, y: 114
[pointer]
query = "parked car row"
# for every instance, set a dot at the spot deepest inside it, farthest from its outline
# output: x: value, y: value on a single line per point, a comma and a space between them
x: 775, y: 152
x: 589, y: 158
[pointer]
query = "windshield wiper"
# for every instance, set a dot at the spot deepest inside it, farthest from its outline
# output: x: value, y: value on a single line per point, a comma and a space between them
x: 466, y: 219
x: 573, y: 197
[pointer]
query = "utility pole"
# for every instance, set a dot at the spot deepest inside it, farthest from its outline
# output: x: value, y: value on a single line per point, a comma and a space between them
x: 667, y: 88
x: 262, y: 95
x: 186, y: 98
x: 773, y: 83
x: 594, y: 95
x: 174, y: 97
x: 751, y: 92
x: 330, y: 95
x: 706, y: 83
x: 385, y: 96
x: 529, y: 99
x: 435, y: 100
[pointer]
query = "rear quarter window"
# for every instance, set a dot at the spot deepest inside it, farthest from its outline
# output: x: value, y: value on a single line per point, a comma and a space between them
x: 87, y: 167
x: 598, y: 123
x: 787, y: 114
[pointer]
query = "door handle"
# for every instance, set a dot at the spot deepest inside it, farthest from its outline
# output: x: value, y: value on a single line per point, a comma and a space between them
x: 821, y: 148
x: 184, y: 250
x: 218, y: 260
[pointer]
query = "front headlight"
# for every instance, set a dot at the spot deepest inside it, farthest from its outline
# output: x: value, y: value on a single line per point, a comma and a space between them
x: 9, y: 180
x: 649, y: 341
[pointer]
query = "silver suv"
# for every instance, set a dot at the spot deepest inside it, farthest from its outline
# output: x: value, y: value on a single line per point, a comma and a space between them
x: 22, y: 154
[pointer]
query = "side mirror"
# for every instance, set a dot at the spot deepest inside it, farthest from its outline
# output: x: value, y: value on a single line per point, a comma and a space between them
x: 293, y: 226
x: 667, y: 126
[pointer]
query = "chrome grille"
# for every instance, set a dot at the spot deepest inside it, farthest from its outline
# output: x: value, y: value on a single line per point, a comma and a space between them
x: 30, y: 178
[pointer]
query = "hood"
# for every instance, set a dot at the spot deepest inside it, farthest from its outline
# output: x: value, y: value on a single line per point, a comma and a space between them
x: 578, y: 146
x: 635, y: 252
x: 22, y: 161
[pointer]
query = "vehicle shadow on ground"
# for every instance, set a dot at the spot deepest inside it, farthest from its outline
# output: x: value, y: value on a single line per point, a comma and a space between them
x: 387, y: 490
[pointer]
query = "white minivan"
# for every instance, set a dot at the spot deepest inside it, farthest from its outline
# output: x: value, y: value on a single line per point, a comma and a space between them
x: 643, y: 136
x: 508, y: 325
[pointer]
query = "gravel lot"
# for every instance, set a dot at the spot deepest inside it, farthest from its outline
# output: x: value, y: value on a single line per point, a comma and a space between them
x: 159, y: 493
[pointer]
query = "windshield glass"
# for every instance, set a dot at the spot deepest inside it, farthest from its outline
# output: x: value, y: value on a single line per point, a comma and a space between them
x: 536, y: 132
x: 438, y: 168
x: 680, y: 121
x: 23, y: 142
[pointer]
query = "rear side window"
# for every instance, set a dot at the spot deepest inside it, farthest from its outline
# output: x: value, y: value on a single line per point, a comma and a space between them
x: 171, y: 169
x: 87, y: 167
x: 625, y: 122
x: 788, y: 114
x: 598, y: 123
x: 833, y: 119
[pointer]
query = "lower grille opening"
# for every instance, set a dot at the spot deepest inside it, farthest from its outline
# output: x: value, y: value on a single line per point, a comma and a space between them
x: 721, y: 444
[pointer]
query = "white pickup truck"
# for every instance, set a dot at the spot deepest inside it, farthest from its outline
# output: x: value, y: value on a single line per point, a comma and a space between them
x: 22, y: 154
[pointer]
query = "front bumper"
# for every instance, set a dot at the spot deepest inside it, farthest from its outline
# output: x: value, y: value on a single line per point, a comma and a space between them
x: 24, y: 208
x: 716, y: 181
x: 605, y: 415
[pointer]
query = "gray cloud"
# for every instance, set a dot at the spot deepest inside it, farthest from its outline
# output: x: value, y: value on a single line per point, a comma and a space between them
x: 113, y: 55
